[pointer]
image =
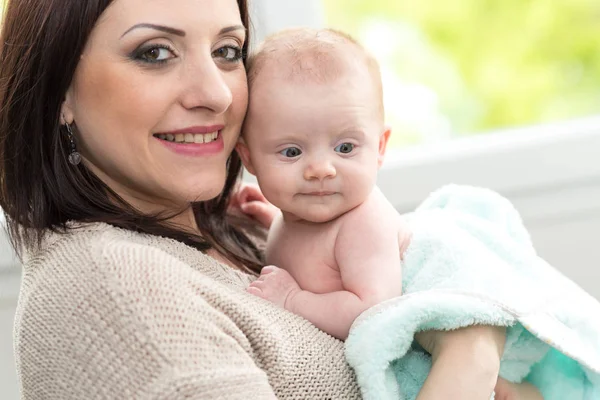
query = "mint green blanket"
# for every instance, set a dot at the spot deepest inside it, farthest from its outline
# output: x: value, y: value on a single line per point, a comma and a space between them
x: 471, y: 261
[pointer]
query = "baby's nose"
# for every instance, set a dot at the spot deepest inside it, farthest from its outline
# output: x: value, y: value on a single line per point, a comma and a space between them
x: 319, y: 169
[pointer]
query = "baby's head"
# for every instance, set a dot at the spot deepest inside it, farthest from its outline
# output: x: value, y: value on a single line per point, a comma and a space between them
x: 314, y: 135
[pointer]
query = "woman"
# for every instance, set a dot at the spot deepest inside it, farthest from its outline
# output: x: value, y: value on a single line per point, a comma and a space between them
x: 117, y: 124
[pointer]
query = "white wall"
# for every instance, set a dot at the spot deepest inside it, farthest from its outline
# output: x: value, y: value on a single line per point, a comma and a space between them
x: 551, y: 173
x: 270, y: 16
x: 10, y: 274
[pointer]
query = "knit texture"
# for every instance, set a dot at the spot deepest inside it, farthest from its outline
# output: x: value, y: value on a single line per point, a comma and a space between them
x: 113, y: 314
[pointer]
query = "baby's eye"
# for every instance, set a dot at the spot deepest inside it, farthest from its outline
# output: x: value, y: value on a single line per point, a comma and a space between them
x: 345, y: 148
x: 291, y: 152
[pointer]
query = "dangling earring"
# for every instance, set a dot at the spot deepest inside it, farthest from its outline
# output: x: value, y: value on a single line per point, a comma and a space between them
x: 74, y: 156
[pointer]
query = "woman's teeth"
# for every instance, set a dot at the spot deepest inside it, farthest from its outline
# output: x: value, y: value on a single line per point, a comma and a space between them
x: 189, y: 137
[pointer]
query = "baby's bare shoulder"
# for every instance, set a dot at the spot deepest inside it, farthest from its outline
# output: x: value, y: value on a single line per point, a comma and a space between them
x: 375, y: 210
x: 375, y: 221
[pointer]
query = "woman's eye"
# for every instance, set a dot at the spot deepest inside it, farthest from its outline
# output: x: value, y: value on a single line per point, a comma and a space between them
x: 345, y: 148
x: 291, y: 152
x: 229, y: 53
x: 155, y: 54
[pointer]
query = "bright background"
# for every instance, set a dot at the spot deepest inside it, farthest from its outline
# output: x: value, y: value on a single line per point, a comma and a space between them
x: 458, y: 67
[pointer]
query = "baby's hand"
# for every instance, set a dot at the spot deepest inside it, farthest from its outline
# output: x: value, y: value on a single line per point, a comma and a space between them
x: 276, y: 285
x: 250, y: 201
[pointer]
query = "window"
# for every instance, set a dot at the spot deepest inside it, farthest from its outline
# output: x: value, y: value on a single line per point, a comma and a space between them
x: 465, y: 66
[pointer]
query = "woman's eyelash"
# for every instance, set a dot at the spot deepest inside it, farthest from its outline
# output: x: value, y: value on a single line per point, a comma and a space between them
x: 239, y: 53
x: 138, y: 54
x: 143, y: 54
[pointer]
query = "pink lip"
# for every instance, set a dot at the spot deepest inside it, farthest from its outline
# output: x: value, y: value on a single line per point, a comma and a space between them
x: 195, y: 129
x: 195, y: 149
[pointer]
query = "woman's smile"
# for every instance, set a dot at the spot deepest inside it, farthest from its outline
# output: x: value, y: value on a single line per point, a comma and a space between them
x: 173, y: 98
x: 193, y: 144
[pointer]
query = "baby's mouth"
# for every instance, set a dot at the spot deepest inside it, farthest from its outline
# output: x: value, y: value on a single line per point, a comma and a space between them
x: 320, y: 193
x: 197, y: 138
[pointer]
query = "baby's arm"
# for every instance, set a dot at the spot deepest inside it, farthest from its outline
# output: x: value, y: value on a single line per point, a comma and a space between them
x: 367, y: 252
x: 331, y: 312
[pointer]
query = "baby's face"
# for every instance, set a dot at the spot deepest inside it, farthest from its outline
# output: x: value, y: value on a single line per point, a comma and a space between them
x: 315, y: 148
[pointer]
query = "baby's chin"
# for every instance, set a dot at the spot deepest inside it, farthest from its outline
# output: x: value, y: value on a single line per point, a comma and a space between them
x: 317, y: 216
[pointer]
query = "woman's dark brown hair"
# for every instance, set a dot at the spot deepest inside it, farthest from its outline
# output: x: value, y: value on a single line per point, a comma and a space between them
x: 40, y: 190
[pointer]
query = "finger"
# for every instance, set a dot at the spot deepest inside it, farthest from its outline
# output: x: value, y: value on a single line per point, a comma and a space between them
x: 268, y: 269
x: 234, y: 201
x: 255, y: 291
x: 259, y: 211
x: 252, y: 193
x: 242, y: 195
x: 427, y: 340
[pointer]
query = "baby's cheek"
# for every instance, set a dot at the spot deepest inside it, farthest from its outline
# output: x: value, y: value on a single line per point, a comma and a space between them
x: 280, y: 196
x: 270, y: 190
x: 277, y: 183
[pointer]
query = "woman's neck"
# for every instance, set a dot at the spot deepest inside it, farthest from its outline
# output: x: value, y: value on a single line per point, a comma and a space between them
x: 186, y: 221
x: 181, y: 216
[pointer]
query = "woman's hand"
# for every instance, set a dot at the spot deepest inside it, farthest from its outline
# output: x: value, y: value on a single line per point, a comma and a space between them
x: 506, y: 390
x: 471, y: 338
x: 466, y: 362
x: 250, y: 201
x: 274, y: 284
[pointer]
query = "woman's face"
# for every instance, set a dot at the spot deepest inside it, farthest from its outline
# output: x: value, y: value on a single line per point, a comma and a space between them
x: 158, y: 99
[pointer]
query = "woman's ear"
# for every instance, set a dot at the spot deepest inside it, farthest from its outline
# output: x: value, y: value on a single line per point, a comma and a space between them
x: 244, y: 152
x: 67, y: 116
x: 383, y: 141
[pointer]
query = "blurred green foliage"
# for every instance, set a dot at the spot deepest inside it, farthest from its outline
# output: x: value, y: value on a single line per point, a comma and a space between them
x: 493, y: 63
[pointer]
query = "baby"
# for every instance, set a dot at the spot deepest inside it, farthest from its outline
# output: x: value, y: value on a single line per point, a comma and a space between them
x: 315, y: 138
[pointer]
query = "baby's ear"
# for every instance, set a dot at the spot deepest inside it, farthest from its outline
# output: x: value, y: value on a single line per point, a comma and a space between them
x: 383, y: 141
x: 242, y: 148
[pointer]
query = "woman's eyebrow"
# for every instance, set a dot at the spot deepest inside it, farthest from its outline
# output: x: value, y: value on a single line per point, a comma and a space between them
x: 232, y: 28
x: 162, y: 28
x: 179, y: 32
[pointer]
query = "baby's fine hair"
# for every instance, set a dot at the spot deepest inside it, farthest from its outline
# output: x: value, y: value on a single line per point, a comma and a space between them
x: 313, y: 55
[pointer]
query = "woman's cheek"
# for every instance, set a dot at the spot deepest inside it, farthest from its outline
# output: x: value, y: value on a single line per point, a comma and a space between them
x: 239, y: 93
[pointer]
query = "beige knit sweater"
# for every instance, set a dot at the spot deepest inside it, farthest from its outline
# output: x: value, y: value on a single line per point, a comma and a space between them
x: 112, y: 314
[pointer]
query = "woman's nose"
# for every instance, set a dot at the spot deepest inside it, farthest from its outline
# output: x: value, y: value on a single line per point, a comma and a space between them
x: 205, y: 86
x: 319, y: 169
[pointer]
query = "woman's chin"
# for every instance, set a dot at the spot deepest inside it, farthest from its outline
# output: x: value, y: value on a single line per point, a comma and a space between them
x: 201, y: 190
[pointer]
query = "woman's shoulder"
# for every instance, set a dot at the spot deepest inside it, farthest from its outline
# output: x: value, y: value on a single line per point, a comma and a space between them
x: 99, y: 271
x: 93, y: 246
x: 147, y: 305
x: 99, y: 297
x: 101, y: 262
x: 105, y: 263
